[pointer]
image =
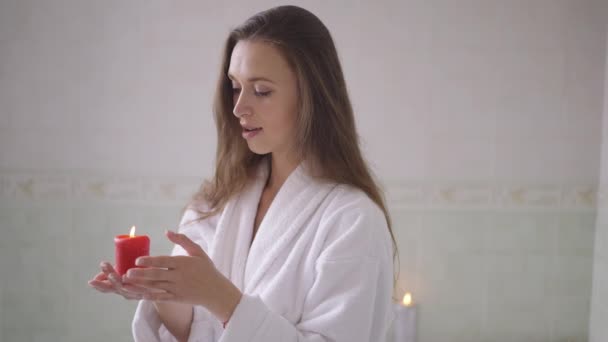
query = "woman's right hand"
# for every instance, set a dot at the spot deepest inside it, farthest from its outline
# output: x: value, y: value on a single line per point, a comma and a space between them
x: 109, y: 281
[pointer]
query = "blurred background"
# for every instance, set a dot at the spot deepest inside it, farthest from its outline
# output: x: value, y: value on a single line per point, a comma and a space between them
x: 482, y: 119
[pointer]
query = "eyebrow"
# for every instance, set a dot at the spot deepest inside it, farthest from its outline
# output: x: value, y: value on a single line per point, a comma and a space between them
x: 252, y: 79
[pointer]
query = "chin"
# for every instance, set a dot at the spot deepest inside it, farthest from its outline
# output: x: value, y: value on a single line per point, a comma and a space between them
x: 259, y: 150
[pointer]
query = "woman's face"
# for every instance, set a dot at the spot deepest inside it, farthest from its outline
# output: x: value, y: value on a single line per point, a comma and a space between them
x: 265, y: 95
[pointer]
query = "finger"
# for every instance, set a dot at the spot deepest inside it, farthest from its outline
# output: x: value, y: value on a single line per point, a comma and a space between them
x: 107, y: 267
x: 190, y: 246
x: 134, y: 289
x: 108, y: 288
x: 133, y: 296
x: 113, y: 283
x: 152, y: 273
x: 111, y: 274
x: 152, y: 284
x: 115, y: 280
x: 140, y: 290
x: 130, y: 284
x: 162, y: 261
x: 102, y: 286
x: 160, y: 296
x: 101, y: 276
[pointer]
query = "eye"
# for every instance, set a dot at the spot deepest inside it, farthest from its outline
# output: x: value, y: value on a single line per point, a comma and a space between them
x: 262, y: 94
x: 236, y: 90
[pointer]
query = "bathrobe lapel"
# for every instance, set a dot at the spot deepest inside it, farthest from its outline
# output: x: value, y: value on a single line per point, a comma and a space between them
x: 234, y: 230
x: 294, y: 204
x: 232, y: 252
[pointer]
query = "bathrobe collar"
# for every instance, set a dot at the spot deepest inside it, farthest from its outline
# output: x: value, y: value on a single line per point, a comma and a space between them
x: 294, y: 204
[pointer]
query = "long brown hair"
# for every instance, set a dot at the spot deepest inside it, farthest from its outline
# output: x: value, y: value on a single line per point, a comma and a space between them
x: 326, y: 135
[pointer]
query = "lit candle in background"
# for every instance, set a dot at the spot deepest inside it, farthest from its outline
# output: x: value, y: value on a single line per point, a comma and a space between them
x: 404, y: 326
x: 128, y: 248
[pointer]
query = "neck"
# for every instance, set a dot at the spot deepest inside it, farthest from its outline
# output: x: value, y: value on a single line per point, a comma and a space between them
x: 280, y: 168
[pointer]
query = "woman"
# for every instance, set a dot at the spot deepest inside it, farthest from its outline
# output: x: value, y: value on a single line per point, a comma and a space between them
x: 290, y: 240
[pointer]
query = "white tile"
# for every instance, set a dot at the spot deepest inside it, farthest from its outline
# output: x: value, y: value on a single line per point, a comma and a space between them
x: 463, y: 96
x: 601, y: 241
x: 533, y: 161
x: 600, y: 285
x: 576, y: 234
x: 571, y: 319
x: 463, y: 159
x: 514, y: 291
x: 570, y: 275
x: 454, y: 232
x: 38, y: 291
x: 580, y: 160
x: 395, y: 150
x: 522, y: 233
x: 583, y: 95
x: 579, y: 37
x: 12, y: 223
x: 49, y: 335
x: 599, y: 329
x: 457, y: 325
x: 497, y: 25
x: 507, y: 325
x: 531, y: 85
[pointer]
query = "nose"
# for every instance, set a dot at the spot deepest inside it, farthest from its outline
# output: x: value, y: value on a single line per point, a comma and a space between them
x: 241, y: 107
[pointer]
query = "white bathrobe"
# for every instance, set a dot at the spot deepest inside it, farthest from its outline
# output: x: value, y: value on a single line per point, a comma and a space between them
x: 320, y: 267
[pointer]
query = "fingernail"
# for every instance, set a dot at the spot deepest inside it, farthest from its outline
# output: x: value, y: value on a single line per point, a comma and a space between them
x: 138, y: 262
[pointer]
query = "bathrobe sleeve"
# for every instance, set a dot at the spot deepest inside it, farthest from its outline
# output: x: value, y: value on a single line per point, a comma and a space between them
x: 147, y: 326
x: 350, y: 299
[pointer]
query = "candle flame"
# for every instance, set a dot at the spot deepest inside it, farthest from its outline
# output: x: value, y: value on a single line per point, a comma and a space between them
x: 407, y: 299
x: 132, y: 234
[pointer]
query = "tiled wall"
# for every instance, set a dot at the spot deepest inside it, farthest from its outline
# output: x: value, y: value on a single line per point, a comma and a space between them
x: 498, y: 276
x: 48, y: 253
x: 481, y: 118
x: 479, y: 272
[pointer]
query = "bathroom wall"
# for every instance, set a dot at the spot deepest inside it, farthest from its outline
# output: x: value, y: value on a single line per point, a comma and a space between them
x: 480, y: 118
x: 598, y: 331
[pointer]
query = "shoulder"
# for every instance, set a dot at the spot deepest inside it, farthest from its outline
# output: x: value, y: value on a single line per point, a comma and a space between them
x: 195, y: 225
x: 193, y: 213
x: 346, y: 197
x: 352, y: 225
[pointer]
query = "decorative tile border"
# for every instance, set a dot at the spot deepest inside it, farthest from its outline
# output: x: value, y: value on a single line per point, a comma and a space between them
x: 400, y: 195
x: 488, y: 196
x: 23, y: 187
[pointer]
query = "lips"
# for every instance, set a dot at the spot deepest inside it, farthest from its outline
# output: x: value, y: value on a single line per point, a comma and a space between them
x: 252, y: 129
x: 249, y: 133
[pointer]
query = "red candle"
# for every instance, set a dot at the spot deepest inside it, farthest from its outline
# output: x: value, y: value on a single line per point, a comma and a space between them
x: 128, y: 249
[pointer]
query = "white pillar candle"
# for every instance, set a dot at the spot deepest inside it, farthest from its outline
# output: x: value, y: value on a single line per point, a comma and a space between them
x: 404, y: 326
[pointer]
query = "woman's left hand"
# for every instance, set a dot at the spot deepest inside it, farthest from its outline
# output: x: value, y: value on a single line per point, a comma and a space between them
x: 191, y: 279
